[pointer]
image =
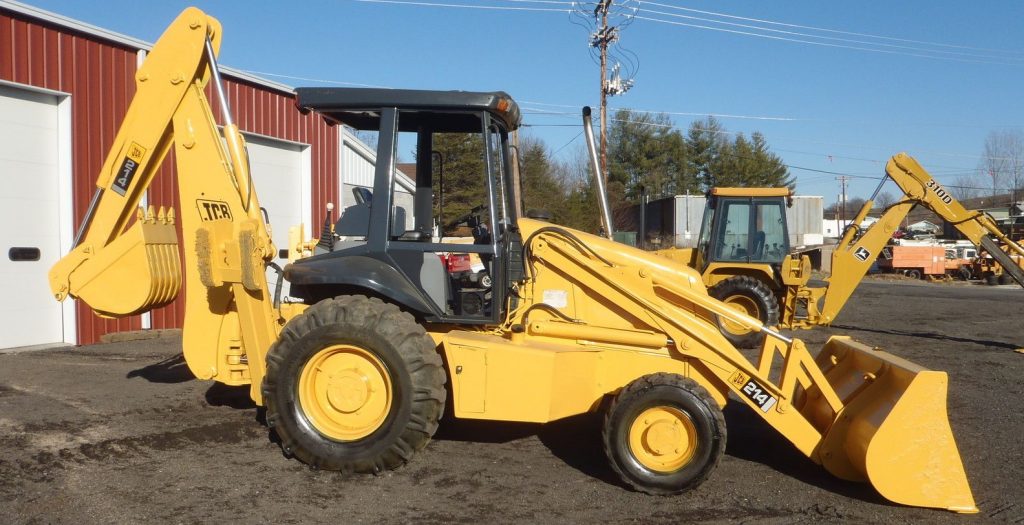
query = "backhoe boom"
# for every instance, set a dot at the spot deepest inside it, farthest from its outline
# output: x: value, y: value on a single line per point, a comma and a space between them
x: 122, y: 268
x: 855, y: 253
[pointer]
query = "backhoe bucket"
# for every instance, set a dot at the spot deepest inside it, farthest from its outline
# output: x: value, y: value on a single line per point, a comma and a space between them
x: 138, y: 271
x: 892, y: 431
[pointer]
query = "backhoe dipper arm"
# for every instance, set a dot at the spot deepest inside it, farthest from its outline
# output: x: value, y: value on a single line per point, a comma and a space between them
x: 122, y: 268
x: 855, y: 253
x: 978, y: 227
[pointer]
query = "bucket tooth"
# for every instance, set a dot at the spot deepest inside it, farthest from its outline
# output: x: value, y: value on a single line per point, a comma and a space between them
x: 138, y: 271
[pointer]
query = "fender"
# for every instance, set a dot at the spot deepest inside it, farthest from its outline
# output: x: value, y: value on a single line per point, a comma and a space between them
x: 359, y: 271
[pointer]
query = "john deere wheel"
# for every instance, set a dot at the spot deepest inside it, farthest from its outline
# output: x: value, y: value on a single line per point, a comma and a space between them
x: 752, y: 297
x: 664, y: 434
x: 354, y: 384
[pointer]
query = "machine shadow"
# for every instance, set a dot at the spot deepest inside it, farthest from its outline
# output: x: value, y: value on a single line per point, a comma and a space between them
x: 170, y: 370
x: 750, y: 438
x: 930, y: 335
x: 236, y: 397
x: 575, y: 440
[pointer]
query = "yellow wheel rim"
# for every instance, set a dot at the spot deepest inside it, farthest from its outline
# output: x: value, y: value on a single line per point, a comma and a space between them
x: 663, y: 439
x: 743, y: 304
x: 345, y: 392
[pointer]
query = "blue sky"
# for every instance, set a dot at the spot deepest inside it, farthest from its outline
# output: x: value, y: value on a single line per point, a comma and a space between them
x: 842, y: 110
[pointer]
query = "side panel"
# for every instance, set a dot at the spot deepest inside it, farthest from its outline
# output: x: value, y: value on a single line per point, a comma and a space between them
x: 359, y: 272
x: 531, y: 381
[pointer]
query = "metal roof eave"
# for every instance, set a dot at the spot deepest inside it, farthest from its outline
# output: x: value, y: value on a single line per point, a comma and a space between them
x: 127, y: 41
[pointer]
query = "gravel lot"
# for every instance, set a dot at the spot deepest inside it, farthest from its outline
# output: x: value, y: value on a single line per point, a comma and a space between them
x: 121, y: 433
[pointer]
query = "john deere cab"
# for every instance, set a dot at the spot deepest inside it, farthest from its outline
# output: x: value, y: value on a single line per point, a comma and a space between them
x: 743, y: 243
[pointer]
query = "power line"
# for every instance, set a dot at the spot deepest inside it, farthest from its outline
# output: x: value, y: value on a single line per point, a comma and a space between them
x: 564, y: 114
x: 825, y: 44
x: 465, y: 6
x: 936, y: 54
x: 836, y: 39
x: 567, y: 144
x: 825, y: 30
x: 810, y: 141
x: 779, y: 118
x: 323, y: 81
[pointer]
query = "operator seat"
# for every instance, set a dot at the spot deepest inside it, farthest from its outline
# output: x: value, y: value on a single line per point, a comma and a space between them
x: 757, y: 250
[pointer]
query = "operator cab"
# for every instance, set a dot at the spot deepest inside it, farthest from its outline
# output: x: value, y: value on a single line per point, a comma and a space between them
x: 745, y: 225
x: 437, y: 236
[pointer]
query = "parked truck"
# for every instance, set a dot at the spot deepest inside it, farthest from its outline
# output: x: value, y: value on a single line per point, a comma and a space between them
x: 915, y: 262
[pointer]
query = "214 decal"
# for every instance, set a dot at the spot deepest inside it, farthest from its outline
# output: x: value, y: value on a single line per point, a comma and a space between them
x: 753, y: 391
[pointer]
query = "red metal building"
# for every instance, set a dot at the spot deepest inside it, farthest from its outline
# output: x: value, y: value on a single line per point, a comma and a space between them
x: 80, y: 79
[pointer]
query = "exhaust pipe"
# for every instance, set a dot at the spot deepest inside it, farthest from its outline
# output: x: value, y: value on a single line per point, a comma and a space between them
x: 595, y: 168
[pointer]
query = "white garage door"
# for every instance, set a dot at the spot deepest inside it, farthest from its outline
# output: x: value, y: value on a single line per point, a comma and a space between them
x: 29, y: 217
x: 282, y: 177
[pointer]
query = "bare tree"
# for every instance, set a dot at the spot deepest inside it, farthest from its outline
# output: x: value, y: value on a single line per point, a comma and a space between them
x: 884, y: 200
x: 967, y: 187
x: 1004, y: 160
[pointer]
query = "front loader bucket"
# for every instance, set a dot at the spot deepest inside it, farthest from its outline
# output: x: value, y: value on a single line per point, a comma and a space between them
x: 892, y: 430
x: 138, y: 271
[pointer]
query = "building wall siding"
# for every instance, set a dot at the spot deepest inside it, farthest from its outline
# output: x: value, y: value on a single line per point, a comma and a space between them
x: 99, y: 76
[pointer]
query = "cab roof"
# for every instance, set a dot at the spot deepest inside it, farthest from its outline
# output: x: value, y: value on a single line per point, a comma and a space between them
x: 752, y: 192
x: 445, y: 111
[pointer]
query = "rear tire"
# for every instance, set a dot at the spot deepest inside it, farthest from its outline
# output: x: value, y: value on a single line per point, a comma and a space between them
x: 354, y: 384
x: 751, y: 296
x: 914, y: 274
x: 664, y: 434
x: 1005, y: 278
x: 991, y: 279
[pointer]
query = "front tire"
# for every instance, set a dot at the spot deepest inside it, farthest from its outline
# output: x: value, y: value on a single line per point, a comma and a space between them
x: 664, y: 434
x: 354, y: 384
x: 752, y: 297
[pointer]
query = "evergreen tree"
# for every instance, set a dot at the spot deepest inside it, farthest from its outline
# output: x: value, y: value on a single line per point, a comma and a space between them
x: 645, y: 152
x: 538, y: 179
x: 718, y: 161
x: 705, y: 142
x: 465, y: 183
x: 769, y: 170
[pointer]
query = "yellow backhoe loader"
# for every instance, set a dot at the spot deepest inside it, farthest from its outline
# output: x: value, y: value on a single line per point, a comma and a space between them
x: 743, y: 254
x: 355, y: 366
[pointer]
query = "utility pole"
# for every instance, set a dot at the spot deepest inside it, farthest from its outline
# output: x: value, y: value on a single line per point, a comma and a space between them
x: 600, y: 16
x: 842, y: 202
x: 604, y: 36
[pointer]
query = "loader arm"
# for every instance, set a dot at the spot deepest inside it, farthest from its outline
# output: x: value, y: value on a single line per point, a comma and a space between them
x: 854, y: 254
x: 853, y: 409
x: 120, y: 267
